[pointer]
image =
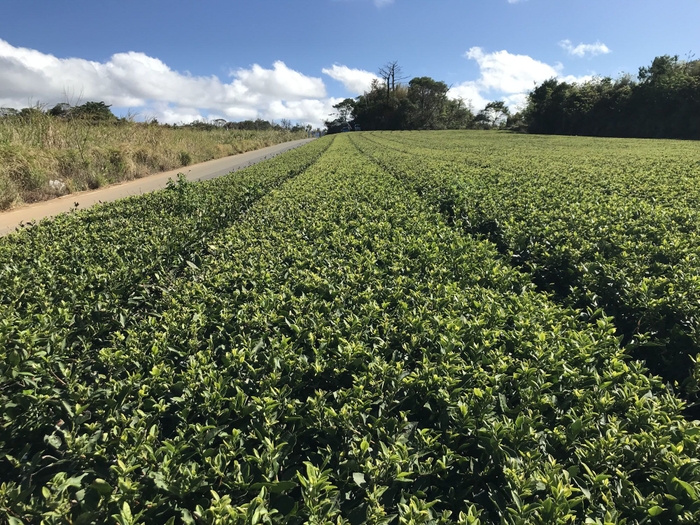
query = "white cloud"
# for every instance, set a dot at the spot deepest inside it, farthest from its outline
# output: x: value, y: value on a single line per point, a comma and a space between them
x: 357, y: 81
x: 470, y: 92
x: 148, y: 85
x: 518, y: 100
x: 302, y: 110
x: 503, y: 71
x: 166, y: 113
x: 583, y: 50
x: 279, y: 83
x: 506, y: 76
x: 237, y: 113
x: 572, y: 79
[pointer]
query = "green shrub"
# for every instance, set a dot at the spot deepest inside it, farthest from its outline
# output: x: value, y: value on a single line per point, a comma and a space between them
x: 313, y: 340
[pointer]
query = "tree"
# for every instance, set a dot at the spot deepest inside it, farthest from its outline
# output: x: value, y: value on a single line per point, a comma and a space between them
x: 496, y: 112
x: 375, y: 110
x: 344, y: 116
x: 346, y: 110
x: 458, y: 114
x: 391, y: 74
x: 428, y: 98
x: 94, y: 111
x: 516, y: 122
x: 664, y: 102
x: 390, y: 104
x: 60, y: 110
x: 482, y: 121
x: 544, y: 110
x: 8, y: 112
x: 660, y: 68
x: 29, y: 114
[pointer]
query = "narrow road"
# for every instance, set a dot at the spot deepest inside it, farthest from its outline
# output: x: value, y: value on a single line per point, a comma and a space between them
x: 10, y: 220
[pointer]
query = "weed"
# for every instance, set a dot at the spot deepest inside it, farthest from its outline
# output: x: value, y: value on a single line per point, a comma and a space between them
x: 37, y: 148
x: 185, y: 158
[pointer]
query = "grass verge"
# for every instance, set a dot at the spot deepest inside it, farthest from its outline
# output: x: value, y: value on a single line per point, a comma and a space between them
x: 43, y: 157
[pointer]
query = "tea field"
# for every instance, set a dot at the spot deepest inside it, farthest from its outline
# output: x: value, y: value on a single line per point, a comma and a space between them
x: 407, y: 327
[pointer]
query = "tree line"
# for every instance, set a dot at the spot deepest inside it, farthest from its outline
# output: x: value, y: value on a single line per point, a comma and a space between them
x: 662, y: 102
x: 392, y: 104
x: 90, y: 112
x: 93, y: 112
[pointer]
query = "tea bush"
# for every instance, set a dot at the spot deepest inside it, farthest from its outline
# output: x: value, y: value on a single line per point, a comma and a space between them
x: 312, y: 340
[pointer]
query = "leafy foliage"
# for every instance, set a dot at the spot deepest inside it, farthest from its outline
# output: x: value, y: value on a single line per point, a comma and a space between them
x: 421, y: 104
x: 92, y: 111
x: 602, y: 225
x: 663, y: 103
x: 316, y: 340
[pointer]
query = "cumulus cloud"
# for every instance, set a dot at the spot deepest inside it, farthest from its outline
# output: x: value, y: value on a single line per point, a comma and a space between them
x: 151, y: 87
x: 167, y: 113
x: 278, y: 83
x: 583, y: 50
x: 301, y: 109
x: 356, y: 81
x: 504, y: 71
x: 506, y: 76
x: 471, y: 92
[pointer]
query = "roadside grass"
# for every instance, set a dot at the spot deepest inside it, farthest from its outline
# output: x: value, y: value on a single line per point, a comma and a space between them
x: 43, y: 157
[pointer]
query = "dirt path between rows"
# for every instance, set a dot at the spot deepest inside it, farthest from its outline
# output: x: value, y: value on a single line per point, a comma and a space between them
x: 11, y: 220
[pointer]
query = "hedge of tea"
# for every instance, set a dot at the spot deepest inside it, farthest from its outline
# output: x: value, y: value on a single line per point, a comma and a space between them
x: 335, y: 351
x: 602, y: 225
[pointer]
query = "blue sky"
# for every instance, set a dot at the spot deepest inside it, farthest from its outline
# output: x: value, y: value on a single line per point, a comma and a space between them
x: 180, y: 60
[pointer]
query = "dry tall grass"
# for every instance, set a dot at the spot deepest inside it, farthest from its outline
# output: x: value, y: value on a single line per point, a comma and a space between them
x: 42, y: 157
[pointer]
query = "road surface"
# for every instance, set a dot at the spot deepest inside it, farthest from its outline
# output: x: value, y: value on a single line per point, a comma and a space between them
x: 10, y: 220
